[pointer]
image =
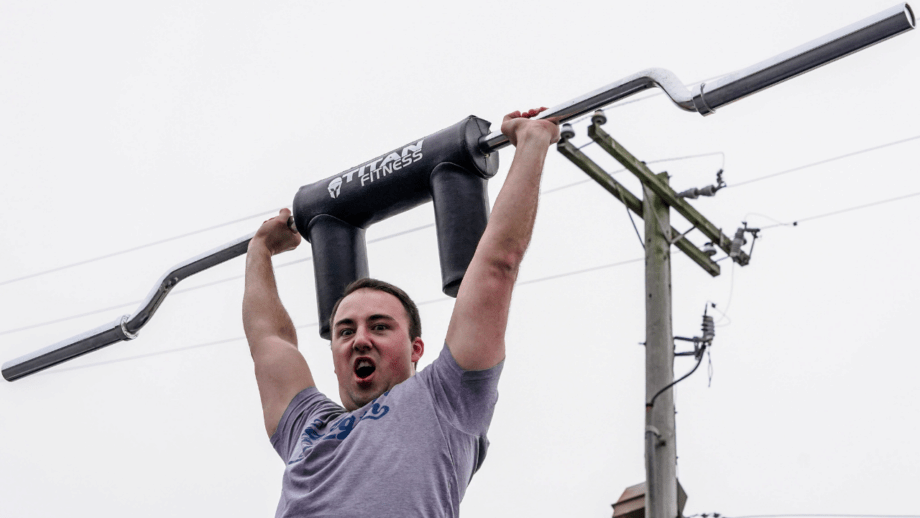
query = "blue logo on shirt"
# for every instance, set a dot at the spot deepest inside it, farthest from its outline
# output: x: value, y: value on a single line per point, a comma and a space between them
x: 338, y: 432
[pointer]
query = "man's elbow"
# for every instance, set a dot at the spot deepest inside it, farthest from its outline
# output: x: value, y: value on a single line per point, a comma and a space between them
x: 508, y: 255
x: 503, y: 267
x: 262, y: 330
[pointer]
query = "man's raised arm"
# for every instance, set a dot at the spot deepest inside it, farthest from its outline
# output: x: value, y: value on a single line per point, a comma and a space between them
x: 281, y: 371
x: 476, y: 334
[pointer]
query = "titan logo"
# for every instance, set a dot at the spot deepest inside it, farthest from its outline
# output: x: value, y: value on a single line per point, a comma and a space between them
x: 378, y: 168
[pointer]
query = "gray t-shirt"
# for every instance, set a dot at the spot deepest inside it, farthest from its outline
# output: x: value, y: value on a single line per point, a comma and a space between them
x: 410, y: 452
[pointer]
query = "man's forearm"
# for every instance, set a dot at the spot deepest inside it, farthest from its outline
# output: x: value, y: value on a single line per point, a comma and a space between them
x: 263, y: 313
x: 511, y: 224
x: 476, y: 334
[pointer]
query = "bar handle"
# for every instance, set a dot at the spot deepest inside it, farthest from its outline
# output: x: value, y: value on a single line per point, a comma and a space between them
x: 807, y: 57
x: 706, y: 97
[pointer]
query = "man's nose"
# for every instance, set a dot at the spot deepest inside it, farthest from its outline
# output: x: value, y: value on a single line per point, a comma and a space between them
x: 362, y: 341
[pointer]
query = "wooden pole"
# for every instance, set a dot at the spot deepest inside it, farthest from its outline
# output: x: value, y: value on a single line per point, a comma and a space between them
x: 661, y: 450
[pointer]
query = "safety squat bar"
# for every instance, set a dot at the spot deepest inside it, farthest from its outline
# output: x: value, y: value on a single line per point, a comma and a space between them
x: 704, y: 98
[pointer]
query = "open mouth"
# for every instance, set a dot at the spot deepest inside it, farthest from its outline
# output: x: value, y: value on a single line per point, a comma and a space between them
x: 364, y: 368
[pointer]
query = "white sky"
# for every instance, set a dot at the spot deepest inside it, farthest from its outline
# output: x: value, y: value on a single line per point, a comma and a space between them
x: 124, y: 124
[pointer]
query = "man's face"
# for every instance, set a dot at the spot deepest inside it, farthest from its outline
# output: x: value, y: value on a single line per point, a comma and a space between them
x: 371, y: 348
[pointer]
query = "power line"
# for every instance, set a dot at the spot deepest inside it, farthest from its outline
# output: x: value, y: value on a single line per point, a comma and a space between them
x: 113, y: 254
x: 820, y: 162
x: 139, y: 356
x: 585, y: 270
x: 404, y: 232
x: 731, y: 291
x: 841, y: 211
x: 161, y: 241
x: 185, y: 290
x: 125, y: 304
x: 314, y: 324
x: 444, y: 299
x: 774, y: 220
x: 416, y: 229
x: 132, y: 249
x: 227, y: 279
x: 618, y: 171
x: 548, y: 191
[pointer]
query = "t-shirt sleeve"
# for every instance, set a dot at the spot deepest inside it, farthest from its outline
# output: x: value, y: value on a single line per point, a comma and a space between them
x: 466, y: 399
x: 308, y: 405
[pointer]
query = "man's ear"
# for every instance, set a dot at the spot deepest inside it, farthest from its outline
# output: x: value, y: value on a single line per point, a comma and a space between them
x: 418, y: 349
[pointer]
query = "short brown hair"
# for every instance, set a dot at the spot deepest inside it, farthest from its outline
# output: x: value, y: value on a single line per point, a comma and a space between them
x: 415, y: 321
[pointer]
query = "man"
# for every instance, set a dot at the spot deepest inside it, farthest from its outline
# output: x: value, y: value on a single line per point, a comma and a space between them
x: 404, y: 444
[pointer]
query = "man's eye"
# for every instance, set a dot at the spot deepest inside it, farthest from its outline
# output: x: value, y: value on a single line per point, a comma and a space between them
x: 345, y: 332
x: 380, y: 327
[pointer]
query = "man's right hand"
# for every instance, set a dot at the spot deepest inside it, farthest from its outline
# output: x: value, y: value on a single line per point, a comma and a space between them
x: 276, y: 235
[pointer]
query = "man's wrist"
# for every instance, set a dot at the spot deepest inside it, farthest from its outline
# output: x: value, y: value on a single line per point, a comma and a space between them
x: 534, y: 142
x: 258, y: 246
x: 536, y: 135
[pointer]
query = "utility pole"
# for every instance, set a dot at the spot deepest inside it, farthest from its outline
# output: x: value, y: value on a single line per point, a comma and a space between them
x: 660, y: 437
x: 661, y: 486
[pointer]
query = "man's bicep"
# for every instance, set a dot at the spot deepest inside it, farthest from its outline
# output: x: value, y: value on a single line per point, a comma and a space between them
x: 281, y: 373
x: 476, y: 335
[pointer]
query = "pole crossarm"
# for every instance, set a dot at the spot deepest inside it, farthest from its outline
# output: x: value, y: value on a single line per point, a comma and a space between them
x: 648, y: 178
x: 632, y: 203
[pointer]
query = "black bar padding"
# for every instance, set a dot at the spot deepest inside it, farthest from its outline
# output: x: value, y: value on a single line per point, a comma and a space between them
x: 390, y: 184
x: 461, y: 210
x: 339, y: 258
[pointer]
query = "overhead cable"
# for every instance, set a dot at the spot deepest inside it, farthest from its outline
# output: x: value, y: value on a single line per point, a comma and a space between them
x: 618, y: 171
x: 109, y: 308
x: 113, y: 254
x: 314, y: 324
x: 825, y: 161
x: 548, y: 191
x: 227, y: 279
x: 173, y: 238
x: 841, y: 211
x: 132, y: 249
x: 192, y: 288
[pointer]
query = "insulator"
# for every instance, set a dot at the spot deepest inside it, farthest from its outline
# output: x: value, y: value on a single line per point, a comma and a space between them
x: 709, y: 190
x: 693, y: 193
x: 737, y: 243
x: 567, y: 131
x: 709, y: 249
x: 599, y: 118
x: 709, y: 328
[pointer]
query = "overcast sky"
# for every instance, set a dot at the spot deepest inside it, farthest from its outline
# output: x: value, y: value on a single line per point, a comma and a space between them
x: 126, y: 123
